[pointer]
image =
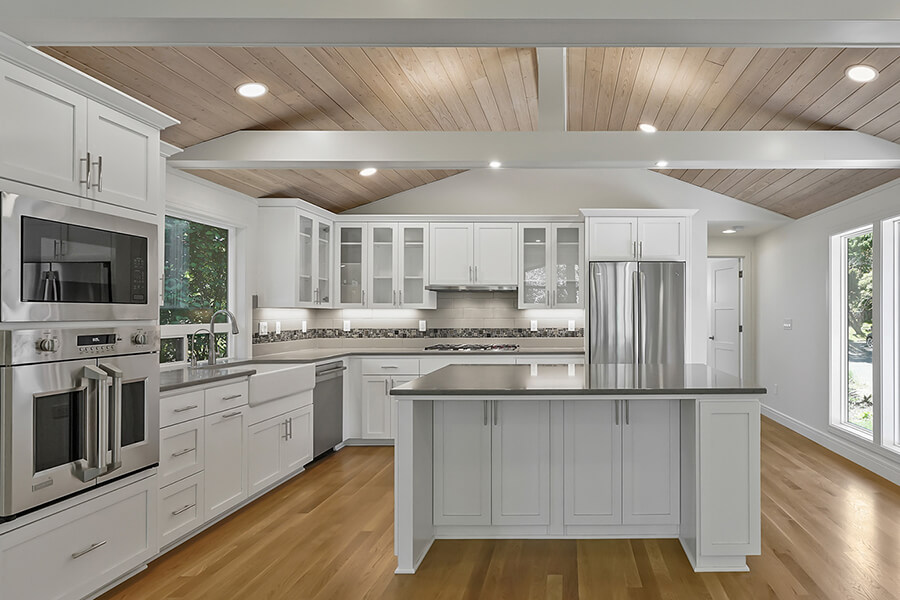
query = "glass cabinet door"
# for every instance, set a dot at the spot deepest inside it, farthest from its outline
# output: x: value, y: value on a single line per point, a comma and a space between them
x: 350, y: 255
x: 382, y: 267
x: 323, y: 284
x: 305, y: 263
x: 566, y: 279
x: 534, y: 288
x: 412, y: 266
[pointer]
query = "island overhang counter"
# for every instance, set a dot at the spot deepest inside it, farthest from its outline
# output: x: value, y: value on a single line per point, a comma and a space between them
x: 571, y: 452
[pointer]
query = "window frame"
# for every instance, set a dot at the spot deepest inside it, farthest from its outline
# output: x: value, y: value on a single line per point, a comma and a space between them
x: 184, y: 331
x: 887, y: 342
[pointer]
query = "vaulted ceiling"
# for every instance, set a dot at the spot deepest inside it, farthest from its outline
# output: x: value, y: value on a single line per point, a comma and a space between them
x: 495, y: 89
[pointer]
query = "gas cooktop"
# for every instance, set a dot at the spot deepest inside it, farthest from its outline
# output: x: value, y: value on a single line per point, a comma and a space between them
x: 474, y: 347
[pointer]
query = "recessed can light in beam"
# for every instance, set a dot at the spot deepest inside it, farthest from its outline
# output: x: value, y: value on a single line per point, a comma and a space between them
x: 251, y: 90
x: 647, y: 128
x: 368, y: 171
x: 861, y: 73
x: 495, y: 164
x: 662, y: 164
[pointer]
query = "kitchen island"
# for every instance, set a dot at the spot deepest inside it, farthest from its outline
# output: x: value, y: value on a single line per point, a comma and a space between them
x: 564, y: 451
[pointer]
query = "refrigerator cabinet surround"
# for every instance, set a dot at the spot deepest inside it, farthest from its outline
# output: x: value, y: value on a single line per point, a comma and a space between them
x: 637, y: 313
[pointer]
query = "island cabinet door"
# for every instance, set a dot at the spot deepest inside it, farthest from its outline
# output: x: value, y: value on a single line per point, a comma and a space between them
x: 651, y: 454
x: 462, y: 462
x: 592, y: 460
x: 521, y: 462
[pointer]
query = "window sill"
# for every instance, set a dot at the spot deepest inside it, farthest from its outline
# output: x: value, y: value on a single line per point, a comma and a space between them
x: 852, y: 434
x: 849, y: 434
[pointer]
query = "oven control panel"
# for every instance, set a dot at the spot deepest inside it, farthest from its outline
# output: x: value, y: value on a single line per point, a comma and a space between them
x: 26, y: 346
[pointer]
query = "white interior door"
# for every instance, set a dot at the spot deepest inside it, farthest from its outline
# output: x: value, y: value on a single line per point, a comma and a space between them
x: 724, y: 289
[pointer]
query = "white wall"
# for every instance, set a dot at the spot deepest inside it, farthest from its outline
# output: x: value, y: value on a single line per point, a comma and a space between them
x: 792, y: 283
x: 191, y: 196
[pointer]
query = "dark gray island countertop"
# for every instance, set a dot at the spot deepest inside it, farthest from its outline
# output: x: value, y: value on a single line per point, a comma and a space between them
x: 550, y: 380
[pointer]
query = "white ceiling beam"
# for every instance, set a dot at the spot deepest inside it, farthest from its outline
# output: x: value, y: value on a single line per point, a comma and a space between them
x: 541, y: 149
x: 463, y: 22
x: 552, y: 92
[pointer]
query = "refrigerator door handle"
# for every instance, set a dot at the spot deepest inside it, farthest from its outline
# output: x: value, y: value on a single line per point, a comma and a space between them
x: 635, y: 318
x: 642, y: 317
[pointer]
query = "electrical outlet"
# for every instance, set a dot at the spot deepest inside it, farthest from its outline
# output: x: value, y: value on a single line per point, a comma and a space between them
x: 422, y: 326
x: 571, y: 324
x: 277, y: 327
x: 346, y: 325
x: 788, y: 324
x: 303, y: 326
x: 263, y: 327
x: 534, y: 324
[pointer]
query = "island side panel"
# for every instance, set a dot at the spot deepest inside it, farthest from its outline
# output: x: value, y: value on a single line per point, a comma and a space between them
x: 413, y: 453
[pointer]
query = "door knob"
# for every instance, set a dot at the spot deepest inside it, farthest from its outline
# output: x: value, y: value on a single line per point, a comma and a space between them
x: 712, y: 337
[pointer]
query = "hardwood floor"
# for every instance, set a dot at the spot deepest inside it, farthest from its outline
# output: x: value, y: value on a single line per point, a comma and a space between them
x: 831, y: 530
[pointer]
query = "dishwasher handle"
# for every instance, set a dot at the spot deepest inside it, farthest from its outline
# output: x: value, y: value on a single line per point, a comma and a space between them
x: 329, y: 373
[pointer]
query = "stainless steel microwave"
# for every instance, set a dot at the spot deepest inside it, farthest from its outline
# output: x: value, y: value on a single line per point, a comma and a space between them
x: 62, y: 263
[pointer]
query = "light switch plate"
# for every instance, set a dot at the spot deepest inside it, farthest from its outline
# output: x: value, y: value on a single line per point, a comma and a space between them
x: 263, y: 327
x: 277, y: 327
x: 303, y: 326
x: 534, y: 324
x: 571, y: 324
x: 346, y: 325
x: 788, y: 324
x: 422, y: 326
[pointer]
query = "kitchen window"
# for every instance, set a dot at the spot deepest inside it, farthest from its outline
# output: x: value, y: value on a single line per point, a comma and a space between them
x: 197, y: 281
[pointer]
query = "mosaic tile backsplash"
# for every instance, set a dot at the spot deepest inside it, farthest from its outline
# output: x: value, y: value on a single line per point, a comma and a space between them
x: 318, y: 334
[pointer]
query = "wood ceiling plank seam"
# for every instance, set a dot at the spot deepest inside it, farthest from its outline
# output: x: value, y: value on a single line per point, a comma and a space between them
x: 883, y: 122
x: 575, y: 79
x: 864, y: 94
x: 455, y: 70
x: 725, y: 80
x: 694, y: 95
x: 412, y: 177
x: 734, y: 178
x: 640, y: 90
x: 365, y: 186
x: 668, y: 69
x: 628, y: 69
x: 808, y: 205
x: 342, y: 191
x: 688, y: 71
x: 443, y: 86
x: 306, y: 97
x: 420, y: 82
x: 761, y: 64
x: 601, y: 70
x: 675, y: 173
x: 826, y: 79
x: 719, y: 55
x: 789, y: 61
x: 357, y: 86
x: 221, y: 178
x: 791, y: 176
x: 496, y: 76
x: 703, y: 176
x: 366, y: 70
x: 252, y: 69
x: 810, y: 184
x: 471, y: 62
x: 872, y: 110
x: 892, y: 133
x: 379, y: 185
x: 750, y: 176
x: 818, y: 59
x: 769, y: 176
x: 528, y: 66
x: 393, y: 73
x: 294, y: 184
x: 512, y: 71
x: 327, y: 196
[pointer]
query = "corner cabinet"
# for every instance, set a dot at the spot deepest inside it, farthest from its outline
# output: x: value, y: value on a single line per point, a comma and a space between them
x: 551, y: 269
x: 474, y: 253
x: 295, y: 258
x: 638, y: 238
x: 56, y: 138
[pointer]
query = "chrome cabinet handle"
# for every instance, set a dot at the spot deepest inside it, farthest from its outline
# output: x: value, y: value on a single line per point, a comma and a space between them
x: 628, y: 412
x: 400, y: 293
x: 393, y: 297
x: 185, y: 408
x: 496, y: 412
x: 232, y: 397
x: 476, y: 272
x: 290, y: 428
x: 182, y: 452
x: 470, y: 273
x: 387, y: 390
x: 390, y: 367
x: 87, y: 175
x: 99, y: 184
x: 640, y: 249
x: 184, y: 508
x: 364, y: 297
x: 485, y: 413
x: 634, y: 249
x: 90, y: 548
x: 231, y: 414
x: 115, y: 419
x: 617, y: 411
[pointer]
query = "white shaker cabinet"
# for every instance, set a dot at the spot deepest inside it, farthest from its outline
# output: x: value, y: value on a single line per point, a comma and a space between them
x: 376, y: 407
x: 651, y: 467
x: 279, y: 446
x: 474, y: 253
x: 550, y: 265
x: 297, y: 449
x: 496, y: 253
x: 452, y: 253
x: 661, y: 238
x: 225, y: 474
x: 351, y: 271
x: 382, y: 265
x: 412, y: 267
x: 462, y: 462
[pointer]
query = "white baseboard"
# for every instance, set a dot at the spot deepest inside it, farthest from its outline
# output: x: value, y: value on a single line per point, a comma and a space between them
x: 868, y: 460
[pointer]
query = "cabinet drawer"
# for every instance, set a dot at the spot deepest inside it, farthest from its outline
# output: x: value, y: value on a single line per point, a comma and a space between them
x: 180, y: 408
x: 180, y: 451
x: 390, y: 366
x: 77, y: 551
x: 180, y: 508
x: 226, y: 397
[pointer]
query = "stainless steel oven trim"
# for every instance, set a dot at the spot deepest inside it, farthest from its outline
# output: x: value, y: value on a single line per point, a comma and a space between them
x: 12, y: 208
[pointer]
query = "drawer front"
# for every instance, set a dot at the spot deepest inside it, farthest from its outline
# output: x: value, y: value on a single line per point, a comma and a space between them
x: 226, y: 397
x: 180, y: 509
x: 390, y: 366
x: 79, y: 550
x: 180, y: 408
x: 181, y: 449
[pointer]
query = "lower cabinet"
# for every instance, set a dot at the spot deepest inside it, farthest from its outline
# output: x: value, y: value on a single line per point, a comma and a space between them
x: 492, y: 462
x: 181, y: 508
x: 279, y: 446
x: 226, y: 450
x: 379, y: 408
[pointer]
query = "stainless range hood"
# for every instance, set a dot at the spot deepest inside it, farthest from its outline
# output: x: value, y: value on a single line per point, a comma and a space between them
x: 472, y: 287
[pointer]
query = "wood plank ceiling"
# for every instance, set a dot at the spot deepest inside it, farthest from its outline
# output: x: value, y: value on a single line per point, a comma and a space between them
x: 495, y: 89
x: 748, y: 89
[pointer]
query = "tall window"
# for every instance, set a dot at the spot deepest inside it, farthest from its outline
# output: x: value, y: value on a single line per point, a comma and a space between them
x: 196, y: 278
x: 858, y: 406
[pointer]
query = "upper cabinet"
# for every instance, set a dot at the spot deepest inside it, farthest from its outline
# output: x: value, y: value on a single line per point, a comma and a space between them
x: 638, y: 238
x: 395, y: 255
x: 294, y: 258
x: 56, y: 138
x: 550, y: 265
x: 351, y: 266
x: 474, y: 254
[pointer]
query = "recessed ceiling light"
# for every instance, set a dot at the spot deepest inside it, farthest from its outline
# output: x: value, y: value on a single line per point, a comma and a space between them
x: 647, y: 128
x: 733, y: 229
x: 861, y: 73
x: 368, y: 171
x: 251, y: 90
x: 662, y: 163
x: 495, y: 164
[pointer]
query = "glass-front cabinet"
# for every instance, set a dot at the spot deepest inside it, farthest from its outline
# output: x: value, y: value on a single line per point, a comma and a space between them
x: 382, y: 265
x: 351, y: 263
x: 322, y: 295
x: 305, y: 263
x: 413, y: 276
x: 397, y: 255
x: 551, y: 271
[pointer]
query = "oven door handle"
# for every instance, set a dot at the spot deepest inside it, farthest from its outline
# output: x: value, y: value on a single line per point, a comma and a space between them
x: 96, y: 429
x: 115, y: 418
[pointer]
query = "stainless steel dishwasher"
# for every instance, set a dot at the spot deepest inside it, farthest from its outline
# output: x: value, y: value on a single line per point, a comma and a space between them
x: 328, y: 407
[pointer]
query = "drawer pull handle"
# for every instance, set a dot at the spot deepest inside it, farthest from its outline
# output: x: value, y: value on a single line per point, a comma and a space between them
x: 184, y: 508
x: 390, y: 367
x: 186, y: 408
x: 231, y: 414
x: 90, y: 548
x: 234, y: 397
x: 182, y: 452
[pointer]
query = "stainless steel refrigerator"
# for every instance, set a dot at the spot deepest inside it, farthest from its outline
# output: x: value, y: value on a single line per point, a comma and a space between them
x: 637, y: 313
